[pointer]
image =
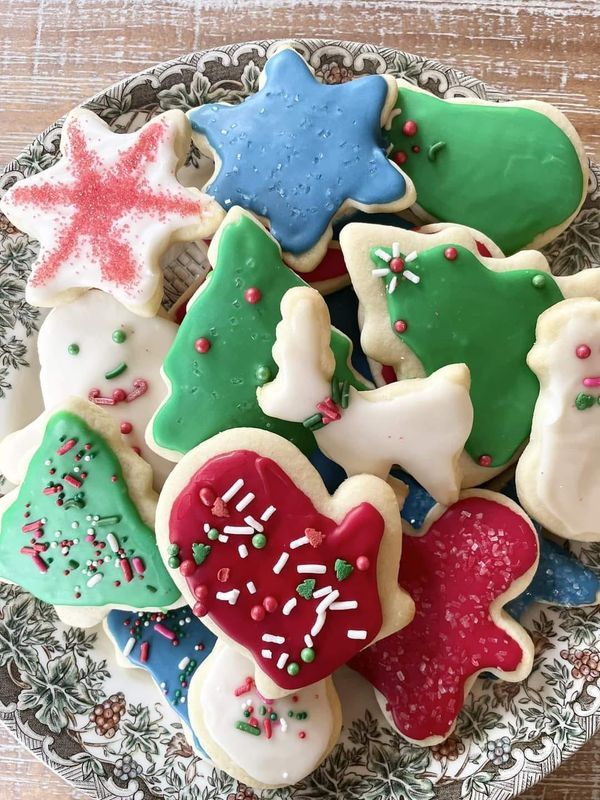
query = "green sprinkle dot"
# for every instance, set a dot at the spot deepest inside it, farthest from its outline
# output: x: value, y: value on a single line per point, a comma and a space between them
x: 262, y: 711
x: 73, y: 349
x: 293, y: 668
x: 263, y: 374
x: 290, y: 713
x: 119, y: 336
x: 273, y: 716
x: 213, y: 534
x: 173, y: 562
x: 539, y: 281
x: 259, y: 540
x: 246, y: 713
x: 307, y: 655
x: 173, y: 549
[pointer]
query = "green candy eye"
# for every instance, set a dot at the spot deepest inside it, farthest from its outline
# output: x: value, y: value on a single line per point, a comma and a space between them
x: 73, y: 349
x: 119, y: 336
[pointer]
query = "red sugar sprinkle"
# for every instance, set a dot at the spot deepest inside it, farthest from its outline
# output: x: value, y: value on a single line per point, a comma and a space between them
x: 202, y: 345
x: 302, y: 735
x: 126, y: 427
x: 64, y: 448
x: 219, y: 508
x: 114, y: 479
x: 267, y: 727
x: 52, y: 489
x: 397, y: 264
x: 32, y: 526
x: 410, y: 127
x: 315, y: 538
x: 72, y: 481
x: 252, y: 295
x: 362, y: 563
x: 583, y: 351
x: 144, y: 649
x: 254, y: 722
x: 164, y: 631
x: 270, y: 604
x: 451, y: 253
x: 257, y: 613
x: 245, y: 687
x: 295, y: 698
x: 137, y: 562
x: 485, y: 460
x: 126, y: 569
x: 207, y: 496
x: 223, y: 574
x: 400, y: 157
x: 200, y: 610
x: 400, y: 326
x: 415, y: 148
x: 201, y: 591
x: 187, y: 567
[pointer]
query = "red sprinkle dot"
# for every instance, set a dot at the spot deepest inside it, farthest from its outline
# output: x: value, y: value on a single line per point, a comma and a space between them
x: 207, y: 496
x: 270, y: 604
x: 252, y: 295
x: 200, y: 610
x: 415, y: 148
x: 201, y: 591
x: 400, y: 326
x: 362, y: 563
x: 119, y: 395
x: 126, y: 427
x: 187, y: 567
x: 302, y: 735
x: 114, y: 479
x: 295, y: 698
x: 397, y: 264
x: 202, y: 345
x: 485, y: 461
x: 583, y: 351
x: 400, y: 157
x: 410, y: 127
x: 223, y: 574
x: 451, y: 253
x: 257, y: 613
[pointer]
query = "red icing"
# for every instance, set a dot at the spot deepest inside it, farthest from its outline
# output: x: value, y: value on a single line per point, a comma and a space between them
x: 106, y: 201
x: 483, y: 250
x: 388, y: 374
x: 357, y: 535
x: 469, y: 556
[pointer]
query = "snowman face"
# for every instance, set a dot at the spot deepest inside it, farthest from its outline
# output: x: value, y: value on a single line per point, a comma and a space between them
x: 96, y: 349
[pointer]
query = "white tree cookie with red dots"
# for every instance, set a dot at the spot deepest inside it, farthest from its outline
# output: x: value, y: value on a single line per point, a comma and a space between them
x: 263, y: 742
x: 421, y: 425
x: 295, y: 578
x: 432, y: 299
x: 558, y: 474
x: 106, y: 212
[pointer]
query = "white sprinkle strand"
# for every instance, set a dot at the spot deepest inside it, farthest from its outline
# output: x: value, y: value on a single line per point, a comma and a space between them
x: 238, y: 530
x: 308, y: 641
x: 383, y: 255
x: 251, y: 587
x: 395, y: 249
x: 268, y: 513
x: 291, y: 603
x: 298, y: 542
x: 206, y: 527
x: 243, y: 551
x: 283, y: 724
x: 231, y: 596
x: 112, y: 542
x: 316, y: 628
x: 410, y: 276
x: 271, y: 637
x: 129, y: 646
x: 356, y: 634
x: 223, y: 538
x: 245, y: 501
x: 392, y: 285
x: 95, y: 579
x: 233, y: 489
x: 183, y: 663
x: 311, y: 569
x: 380, y: 272
x: 254, y: 524
x: 326, y: 602
x: 345, y: 605
x: 322, y: 592
x: 281, y: 562
x: 266, y: 653
x: 282, y: 660
x: 411, y: 257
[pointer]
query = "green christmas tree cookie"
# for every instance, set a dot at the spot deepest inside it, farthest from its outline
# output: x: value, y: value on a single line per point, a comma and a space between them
x: 222, y: 351
x: 78, y: 531
x: 515, y: 171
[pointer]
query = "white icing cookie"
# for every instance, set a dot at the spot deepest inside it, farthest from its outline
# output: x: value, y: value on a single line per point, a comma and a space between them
x: 261, y: 742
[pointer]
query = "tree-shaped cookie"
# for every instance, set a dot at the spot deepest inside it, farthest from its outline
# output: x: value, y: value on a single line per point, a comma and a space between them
x: 79, y: 530
x: 222, y: 351
x: 300, y: 153
x: 420, y: 424
x: 516, y: 171
x: 297, y: 579
x: 432, y: 299
x: 557, y: 476
x: 469, y: 560
x: 107, y: 211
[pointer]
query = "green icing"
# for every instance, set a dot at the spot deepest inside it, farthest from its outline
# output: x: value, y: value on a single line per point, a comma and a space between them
x: 100, y: 508
x: 462, y: 312
x: 216, y: 390
x: 509, y: 172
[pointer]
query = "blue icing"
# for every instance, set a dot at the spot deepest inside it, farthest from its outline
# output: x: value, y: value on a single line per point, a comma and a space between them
x: 164, y: 657
x: 296, y: 150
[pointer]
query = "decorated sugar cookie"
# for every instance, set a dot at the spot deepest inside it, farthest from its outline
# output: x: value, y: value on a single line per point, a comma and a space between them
x: 516, y: 171
x: 261, y: 741
x: 420, y: 424
x: 469, y: 560
x: 432, y: 299
x: 557, y: 474
x: 79, y: 530
x: 297, y: 579
x: 106, y: 212
x: 277, y: 154
x: 170, y: 645
x: 222, y: 351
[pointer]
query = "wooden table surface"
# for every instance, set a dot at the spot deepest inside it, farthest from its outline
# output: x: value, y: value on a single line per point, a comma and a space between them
x: 56, y: 53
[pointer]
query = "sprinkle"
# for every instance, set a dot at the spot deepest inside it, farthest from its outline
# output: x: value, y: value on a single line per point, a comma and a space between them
x: 95, y: 579
x: 243, y: 726
x: 298, y: 542
x: 138, y: 565
x: 32, y: 526
x: 308, y: 641
x: 326, y: 602
x: 268, y: 513
x: 72, y: 481
x: 314, y: 569
x: 344, y: 605
x: 129, y: 646
x: 126, y: 568
x: 164, y: 631
x: 381, y: 272
x: 316, y: 628
x: 266, y: 653
x: 271, y: 637
x: 322, y: 592
x: 411, y: 257
x: 231, y: 596
x: 244, y: 688
x: 251, y: 587
x: 283, y: 724
x: 383, y: 255
x: 68, y: 445
x: 287, y: 608
x: 395, y: 249
x: 233, y: 489
x: 245, y: 501
x: 410, y: 276
x: 281, y: 562
x: 254, y: 524
x: 282, y: 660
x: 393, y: 283
x: 116, y: 371
x: 183, y: 663
x: 435, y: 149
x: 267, y: 727
x: 243, y: 551
x: 239, y: 530
x: 222, y: 538
x: 356, y: 634
x: 144, y: 652
x: 103, y: 521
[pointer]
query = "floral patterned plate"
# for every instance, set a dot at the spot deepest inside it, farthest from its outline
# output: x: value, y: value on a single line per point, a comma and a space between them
x: 54, y: 680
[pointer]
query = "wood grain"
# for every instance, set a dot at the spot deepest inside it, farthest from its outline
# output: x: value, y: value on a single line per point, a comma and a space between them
x: 56, y: 53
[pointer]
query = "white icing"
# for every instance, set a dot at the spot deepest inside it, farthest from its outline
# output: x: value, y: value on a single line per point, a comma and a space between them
x: 421, y: 424
x: 89, y: 321
x: 283, y: 759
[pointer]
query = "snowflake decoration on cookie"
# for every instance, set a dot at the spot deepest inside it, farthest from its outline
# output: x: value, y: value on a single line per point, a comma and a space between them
x: 299, y: 151
x: 108, y: 209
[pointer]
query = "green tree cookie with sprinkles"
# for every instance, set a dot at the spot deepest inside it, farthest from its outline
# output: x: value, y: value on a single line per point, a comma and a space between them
x: 222, y: 351
x: 515, y: 171
x: 432, y: 300
x: 78, y: 532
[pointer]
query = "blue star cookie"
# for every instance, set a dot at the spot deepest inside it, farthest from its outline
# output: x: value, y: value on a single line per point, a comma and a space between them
x: 170, y: 645
x: 300, y: 152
